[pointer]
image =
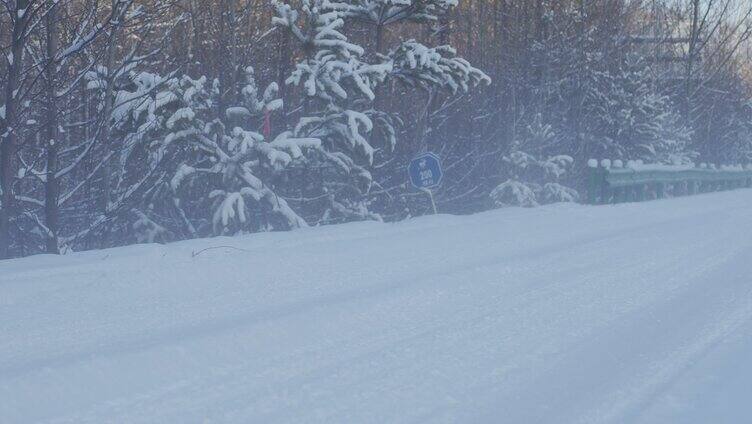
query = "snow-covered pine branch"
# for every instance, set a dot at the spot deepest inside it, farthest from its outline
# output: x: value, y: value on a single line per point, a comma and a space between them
x: 216, y: 163
x: 438, y: 67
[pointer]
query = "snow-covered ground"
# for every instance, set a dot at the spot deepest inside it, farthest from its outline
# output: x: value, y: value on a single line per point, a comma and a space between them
x: 637, y: 313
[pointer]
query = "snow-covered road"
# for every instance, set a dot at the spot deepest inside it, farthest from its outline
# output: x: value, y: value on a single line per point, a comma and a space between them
x: 564, y: 314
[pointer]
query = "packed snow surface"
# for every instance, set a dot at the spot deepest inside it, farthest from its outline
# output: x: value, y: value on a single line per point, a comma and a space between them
x: 636, y: 313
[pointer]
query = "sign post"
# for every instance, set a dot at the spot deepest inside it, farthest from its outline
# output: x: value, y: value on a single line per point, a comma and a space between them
x: 425, y: 174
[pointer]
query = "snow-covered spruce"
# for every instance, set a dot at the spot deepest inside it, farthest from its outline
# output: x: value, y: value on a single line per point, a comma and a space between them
x: 211, y: 168
x: 339, y: 80
x: 515, y: 193
x: 533, y: 181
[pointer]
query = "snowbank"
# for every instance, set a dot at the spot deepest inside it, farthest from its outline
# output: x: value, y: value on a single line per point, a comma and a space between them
x: 561, y: 314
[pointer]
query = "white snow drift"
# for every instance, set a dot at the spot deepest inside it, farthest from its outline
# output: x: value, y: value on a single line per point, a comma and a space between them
x: 631, y: 313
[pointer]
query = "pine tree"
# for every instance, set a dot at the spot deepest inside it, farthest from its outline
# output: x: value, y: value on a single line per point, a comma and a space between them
x: 209, y: 168
x: 339, y: 81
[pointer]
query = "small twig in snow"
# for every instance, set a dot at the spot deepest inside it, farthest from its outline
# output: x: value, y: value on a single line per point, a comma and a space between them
x: 194, y: 254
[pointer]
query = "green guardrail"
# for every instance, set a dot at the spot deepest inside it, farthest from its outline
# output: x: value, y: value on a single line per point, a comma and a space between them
x: 615, y: 182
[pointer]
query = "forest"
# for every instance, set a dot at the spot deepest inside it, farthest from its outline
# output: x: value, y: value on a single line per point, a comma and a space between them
x: 138, y: 121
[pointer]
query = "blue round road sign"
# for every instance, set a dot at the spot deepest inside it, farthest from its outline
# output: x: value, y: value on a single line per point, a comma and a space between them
x: 425, y: 171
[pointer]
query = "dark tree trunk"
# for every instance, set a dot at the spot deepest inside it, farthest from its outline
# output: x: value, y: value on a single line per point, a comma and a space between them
x: 9, y: 130
x: 52, y: 185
